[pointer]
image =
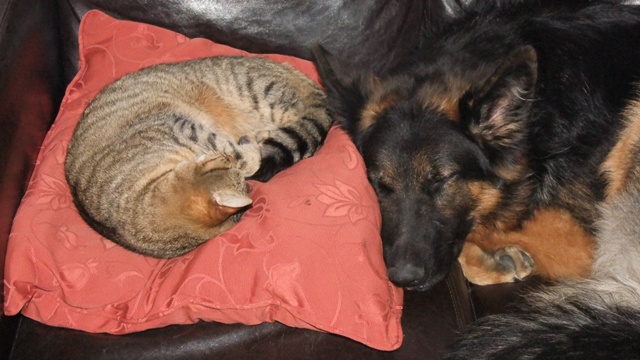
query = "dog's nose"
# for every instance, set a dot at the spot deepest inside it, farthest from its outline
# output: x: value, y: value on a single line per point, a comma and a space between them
x: 405, y: 275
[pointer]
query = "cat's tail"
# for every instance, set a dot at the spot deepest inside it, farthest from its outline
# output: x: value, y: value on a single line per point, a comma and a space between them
x: 591, y: 319
x: 282, y: 147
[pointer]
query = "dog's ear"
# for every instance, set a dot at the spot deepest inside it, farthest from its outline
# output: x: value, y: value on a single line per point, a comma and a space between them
x: 347, y: 88
x: 495, y: 113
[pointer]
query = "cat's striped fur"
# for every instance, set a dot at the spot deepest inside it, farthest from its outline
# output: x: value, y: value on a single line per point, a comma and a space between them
x: 159, y: 159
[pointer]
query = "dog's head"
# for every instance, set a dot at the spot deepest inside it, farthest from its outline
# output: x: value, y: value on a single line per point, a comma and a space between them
x: 438, y: 150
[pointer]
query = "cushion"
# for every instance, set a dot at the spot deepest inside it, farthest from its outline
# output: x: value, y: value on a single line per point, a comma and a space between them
x: 307, y: 254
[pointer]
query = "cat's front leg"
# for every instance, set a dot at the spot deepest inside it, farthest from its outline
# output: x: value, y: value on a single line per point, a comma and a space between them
x: 214, y: 161
x: 247, y: 155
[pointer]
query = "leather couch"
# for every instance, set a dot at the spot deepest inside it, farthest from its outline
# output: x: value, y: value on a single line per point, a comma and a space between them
x: 38, y: 57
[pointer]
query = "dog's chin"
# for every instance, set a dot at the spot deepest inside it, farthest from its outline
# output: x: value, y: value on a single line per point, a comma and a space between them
x: 426, y: 283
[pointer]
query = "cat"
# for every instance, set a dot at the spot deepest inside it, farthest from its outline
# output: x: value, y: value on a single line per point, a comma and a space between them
x: 159, y: 159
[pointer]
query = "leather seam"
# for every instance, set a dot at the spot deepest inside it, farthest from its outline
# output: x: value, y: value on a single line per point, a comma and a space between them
x: 15, y: 336
x: 473, y: 306
x: 455, y: 302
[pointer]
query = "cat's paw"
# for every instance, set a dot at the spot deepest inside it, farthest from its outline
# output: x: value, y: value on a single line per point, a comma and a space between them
x: 214, y: 161
x: 248, y: 156
x: 262, y: 135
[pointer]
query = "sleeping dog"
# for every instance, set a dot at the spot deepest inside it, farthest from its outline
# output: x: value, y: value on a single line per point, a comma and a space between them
x: 509, y: 141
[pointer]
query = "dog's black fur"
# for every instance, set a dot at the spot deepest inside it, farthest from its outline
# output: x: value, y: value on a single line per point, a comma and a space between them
x: 509, y: 109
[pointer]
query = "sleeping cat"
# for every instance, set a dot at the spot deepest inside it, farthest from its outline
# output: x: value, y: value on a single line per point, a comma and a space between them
x: 158, y: 160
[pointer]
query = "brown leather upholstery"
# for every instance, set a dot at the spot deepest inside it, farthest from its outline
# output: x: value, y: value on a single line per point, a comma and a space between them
x: 38, y: 52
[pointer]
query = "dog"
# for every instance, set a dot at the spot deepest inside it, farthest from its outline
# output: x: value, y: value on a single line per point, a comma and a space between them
x: 491, y: 125
x: 506, y: 142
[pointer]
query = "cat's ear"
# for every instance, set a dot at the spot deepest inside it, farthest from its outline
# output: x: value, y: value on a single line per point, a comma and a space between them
x: 226, y: 203
x: 495, y: 112
x: 231, y: 199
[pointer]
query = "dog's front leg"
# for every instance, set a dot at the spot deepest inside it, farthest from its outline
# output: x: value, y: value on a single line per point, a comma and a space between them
x: 551, y: 244
x: 505, y: 265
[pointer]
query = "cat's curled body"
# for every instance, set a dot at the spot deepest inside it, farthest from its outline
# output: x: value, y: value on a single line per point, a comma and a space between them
x: 159, y: 158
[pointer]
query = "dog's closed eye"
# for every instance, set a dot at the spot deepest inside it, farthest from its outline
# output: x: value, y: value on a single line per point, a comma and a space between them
x: 382, y: 188
x: 435, y: 185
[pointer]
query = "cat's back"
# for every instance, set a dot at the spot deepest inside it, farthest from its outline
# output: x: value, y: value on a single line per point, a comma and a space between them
x: 213, y: 90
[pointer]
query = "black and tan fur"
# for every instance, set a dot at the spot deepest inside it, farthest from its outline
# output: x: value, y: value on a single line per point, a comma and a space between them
x: 502, y: 118
x: 515, y: 125
x: 158, y: 160
x: 594, y: 318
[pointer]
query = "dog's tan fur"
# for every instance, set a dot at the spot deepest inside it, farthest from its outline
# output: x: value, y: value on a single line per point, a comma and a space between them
x: 560, y: 246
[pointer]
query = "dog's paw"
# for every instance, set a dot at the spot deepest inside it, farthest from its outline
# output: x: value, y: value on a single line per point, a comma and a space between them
x: 505, y: 265
x: 514, y: 263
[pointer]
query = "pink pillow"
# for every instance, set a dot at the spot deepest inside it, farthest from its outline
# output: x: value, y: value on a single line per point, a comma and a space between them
x: 307, y: 254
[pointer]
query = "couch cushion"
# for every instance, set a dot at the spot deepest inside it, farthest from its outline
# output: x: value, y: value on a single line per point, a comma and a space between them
x: 373, y: 32
x: 307, y: 254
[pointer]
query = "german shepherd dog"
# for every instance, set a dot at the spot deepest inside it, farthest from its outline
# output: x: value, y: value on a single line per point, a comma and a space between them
x: 523, y: 120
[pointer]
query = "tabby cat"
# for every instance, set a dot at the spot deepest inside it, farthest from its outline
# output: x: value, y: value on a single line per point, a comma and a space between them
x: 159, y: 159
